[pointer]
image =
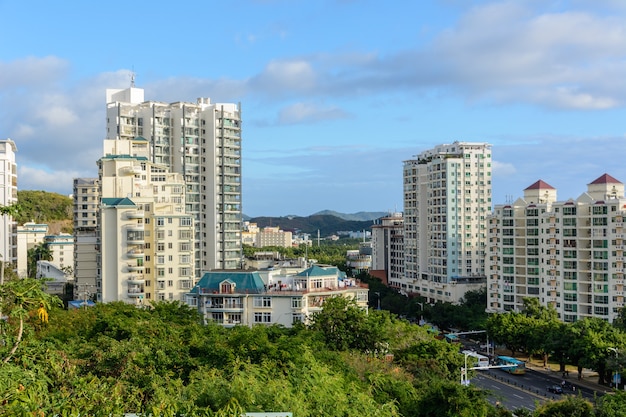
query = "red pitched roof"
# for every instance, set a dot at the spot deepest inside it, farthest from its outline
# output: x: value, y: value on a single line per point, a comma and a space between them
x: 605, y: 179
x: 540, y: 185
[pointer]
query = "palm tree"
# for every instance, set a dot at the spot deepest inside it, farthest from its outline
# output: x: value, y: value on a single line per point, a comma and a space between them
x: 40, y: 252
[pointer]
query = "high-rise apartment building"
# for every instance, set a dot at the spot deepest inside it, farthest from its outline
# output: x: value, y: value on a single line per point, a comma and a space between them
x: 567, y: 254
x: 388, y: 249
x: 447, y: 198
x: 86, y: 200
x: 145, y: 237
x: 8, y: 196
x: 202, y: 142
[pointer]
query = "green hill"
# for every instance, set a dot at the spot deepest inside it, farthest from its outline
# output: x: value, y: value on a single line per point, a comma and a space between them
x: 43, y: 207
x: 326, y: 224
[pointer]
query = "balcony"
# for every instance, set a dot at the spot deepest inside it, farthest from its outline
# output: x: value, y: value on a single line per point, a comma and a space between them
x: 135, y: 290
x: 135, y: 214
x: 134, y: 268
x: 137, y: 227
x: 135, y: 253
x: 130, y: 170
x: 136, y: 280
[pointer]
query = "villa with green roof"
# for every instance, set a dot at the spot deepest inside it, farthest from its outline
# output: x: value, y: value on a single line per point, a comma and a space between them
x: 236, y: 297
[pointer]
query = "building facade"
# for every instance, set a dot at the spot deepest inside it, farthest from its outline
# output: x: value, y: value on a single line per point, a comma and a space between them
x: 202, y: 142
x: 8, y: 196
x: 29, y: 235
x: 86, y: 201
x: 282, y: 297
x: 567, y: 254
x: 145, y: 237
x: 62, y: 249
x: 447, y: 198
x: 388, y: 249
x: 273, y: 236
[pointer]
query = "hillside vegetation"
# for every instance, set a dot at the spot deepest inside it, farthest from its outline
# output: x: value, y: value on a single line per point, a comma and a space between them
x: 45, y: 207
x: 326, y: 224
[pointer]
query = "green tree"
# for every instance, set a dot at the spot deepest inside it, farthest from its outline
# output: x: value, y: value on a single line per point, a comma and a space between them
x: 12, y: 210
x: 40, y: 252
x: 592, y: 340
x: 451, y: 399
x: 568, y: 407
x: 510, y: 329
x: 19, y: 298
x: 611, y: 405
x: 344, y: 325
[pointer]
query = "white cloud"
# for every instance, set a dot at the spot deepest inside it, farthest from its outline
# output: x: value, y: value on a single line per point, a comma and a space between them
x: 39, y: 179
x: 31, y: 71
x: 308, y: 113
x: 502, y: 169
x: 286, y: 77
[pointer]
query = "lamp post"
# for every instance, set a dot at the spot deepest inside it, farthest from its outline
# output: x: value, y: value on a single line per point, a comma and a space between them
x: 464, y: 380
x: 615, y: 374
x: 421, y: 312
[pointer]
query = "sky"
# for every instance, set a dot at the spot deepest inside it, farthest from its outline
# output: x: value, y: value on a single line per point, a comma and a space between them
x: 335, y: 94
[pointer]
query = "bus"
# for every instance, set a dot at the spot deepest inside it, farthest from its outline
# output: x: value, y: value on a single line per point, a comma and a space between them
x: 516, y: 367
x: 481, y: 360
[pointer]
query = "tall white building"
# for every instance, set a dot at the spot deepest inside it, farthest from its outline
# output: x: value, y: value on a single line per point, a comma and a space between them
x: 8, y: 196
x: 447, y: 198
x: 202, y: 142
x: 86, y: 203
x: 388, y: 249
x: 567, y: 254
x: 145, y: 237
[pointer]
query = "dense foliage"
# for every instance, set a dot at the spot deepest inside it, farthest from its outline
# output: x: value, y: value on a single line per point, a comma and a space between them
x: 327, y: 253
x: 42, y: 207
x: 115, y: 358
x: 588, y: 343
x: 162, y: 361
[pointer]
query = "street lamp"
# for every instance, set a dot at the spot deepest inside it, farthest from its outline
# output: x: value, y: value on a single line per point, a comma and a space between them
x: 464, y: 380
x: 421, y: 311
x: 615, y: 374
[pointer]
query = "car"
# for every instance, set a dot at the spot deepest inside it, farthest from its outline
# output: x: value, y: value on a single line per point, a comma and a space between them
x: 556, y: 389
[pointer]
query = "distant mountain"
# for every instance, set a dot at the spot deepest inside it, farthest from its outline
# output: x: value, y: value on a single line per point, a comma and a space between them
x: 326, y: 224
x: 360, y: 216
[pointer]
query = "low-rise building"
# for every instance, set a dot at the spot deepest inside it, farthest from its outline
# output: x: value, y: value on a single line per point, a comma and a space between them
x: 273, y: 236
x: 29, y: 235
x: 271, y: 297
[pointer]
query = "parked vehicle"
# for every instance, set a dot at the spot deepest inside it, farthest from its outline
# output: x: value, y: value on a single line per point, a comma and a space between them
x: 555, y: 389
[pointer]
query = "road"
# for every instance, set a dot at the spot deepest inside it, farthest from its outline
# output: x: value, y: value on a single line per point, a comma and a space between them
x: 522, y: 391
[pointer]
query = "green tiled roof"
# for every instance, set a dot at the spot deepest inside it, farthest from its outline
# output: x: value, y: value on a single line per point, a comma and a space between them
x: 319, y: 271
x: 245, y: 282
x: 117, y: 202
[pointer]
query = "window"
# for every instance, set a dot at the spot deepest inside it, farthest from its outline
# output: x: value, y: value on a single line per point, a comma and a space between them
x: 262, y: 301
x: 262, y: 317
x: 296, y: 302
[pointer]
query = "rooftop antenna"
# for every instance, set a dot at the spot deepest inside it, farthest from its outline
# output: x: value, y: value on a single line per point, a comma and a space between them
x: 132, y: 78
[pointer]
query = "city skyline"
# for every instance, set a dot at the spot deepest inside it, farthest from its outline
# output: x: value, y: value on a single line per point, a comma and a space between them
x: 335, y: 95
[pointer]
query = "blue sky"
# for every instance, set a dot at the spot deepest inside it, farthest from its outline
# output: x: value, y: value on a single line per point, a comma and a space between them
x: 335, y: 94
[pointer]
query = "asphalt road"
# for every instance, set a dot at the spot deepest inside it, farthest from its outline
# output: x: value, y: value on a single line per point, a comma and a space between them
x: 522, y: 391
